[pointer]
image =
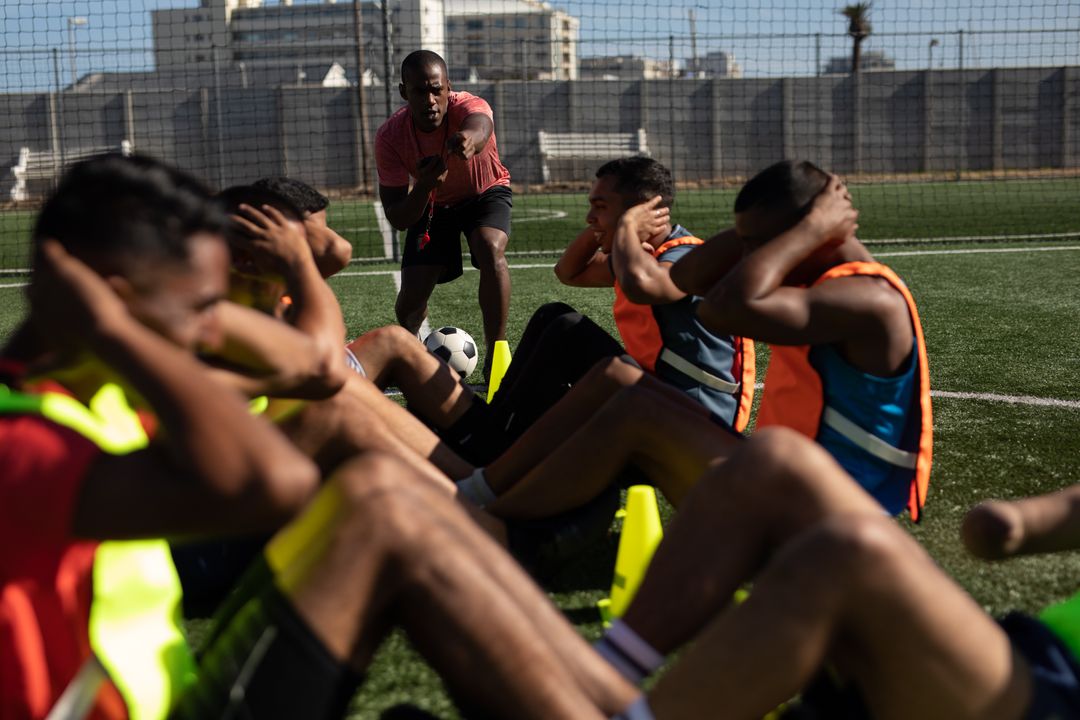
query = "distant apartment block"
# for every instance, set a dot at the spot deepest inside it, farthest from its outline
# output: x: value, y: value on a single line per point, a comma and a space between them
x: 275, y: 43
x: 870, y: 60
x: 719, y: 64
x: 511, y: 40
x: 625, y: 67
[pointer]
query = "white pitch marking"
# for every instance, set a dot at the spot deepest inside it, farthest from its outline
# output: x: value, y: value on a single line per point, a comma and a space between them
x: 900, y: 253
x: 425, y: 327
x: 1011, y: 399
x: 970, y: 238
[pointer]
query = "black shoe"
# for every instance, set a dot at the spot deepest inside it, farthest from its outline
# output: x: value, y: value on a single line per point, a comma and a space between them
x: 545, y: 546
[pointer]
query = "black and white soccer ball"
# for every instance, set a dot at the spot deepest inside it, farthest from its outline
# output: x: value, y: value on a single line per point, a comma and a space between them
x: 455, y: 347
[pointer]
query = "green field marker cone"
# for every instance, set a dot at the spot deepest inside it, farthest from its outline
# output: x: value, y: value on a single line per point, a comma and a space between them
x: 500, y: 361
x: 641, y: 533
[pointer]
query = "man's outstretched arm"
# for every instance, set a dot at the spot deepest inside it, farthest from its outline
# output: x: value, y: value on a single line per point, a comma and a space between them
x: 998, y: 529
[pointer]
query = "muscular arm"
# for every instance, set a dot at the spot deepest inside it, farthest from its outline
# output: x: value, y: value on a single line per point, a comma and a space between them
x: 704, y: 266
x: 214, y: 467
x: 472, y: 138
x: 584, y: 263
x: 752, y: 300
x: 260, y: 355
x: 644, y: 280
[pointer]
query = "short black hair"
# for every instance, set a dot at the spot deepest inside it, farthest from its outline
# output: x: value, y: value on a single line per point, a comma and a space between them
x: 120, y: 209
x: 786, y: 190
x: 256, y: 196
x: 420, y: 60
x: 639, y: 178
x: 302, y: 195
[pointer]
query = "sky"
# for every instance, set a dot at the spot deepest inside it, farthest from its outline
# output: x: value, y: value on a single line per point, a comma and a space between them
x: 767, y: 37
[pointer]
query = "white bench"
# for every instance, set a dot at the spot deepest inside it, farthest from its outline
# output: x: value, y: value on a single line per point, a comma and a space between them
x: 589, y: 146
x: 44, y: 165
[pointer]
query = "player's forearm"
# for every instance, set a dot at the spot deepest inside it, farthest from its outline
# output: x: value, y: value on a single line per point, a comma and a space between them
x: 577, y: 256
x: 704, y: 266
x: 407, y: 212
x: 205, y: 427
x: 642, y: 279
x: 1051, y: 523
x: 317, y: 315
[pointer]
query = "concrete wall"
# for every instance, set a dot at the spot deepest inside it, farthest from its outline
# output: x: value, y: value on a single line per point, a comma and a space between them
x: 705, y: 130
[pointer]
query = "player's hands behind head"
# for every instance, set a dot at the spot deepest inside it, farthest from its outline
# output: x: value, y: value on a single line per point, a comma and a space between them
x: 75, y: 303
x: 646, y: 220
x: 274, y: 243
x: 833, y: 216
x: 430, y: 172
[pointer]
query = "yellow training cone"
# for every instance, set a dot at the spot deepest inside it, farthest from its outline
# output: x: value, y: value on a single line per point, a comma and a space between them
x: 500, y: 361
x: 641, y: 533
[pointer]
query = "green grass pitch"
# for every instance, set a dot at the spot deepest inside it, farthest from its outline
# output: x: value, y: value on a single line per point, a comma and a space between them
x: 996, y: 321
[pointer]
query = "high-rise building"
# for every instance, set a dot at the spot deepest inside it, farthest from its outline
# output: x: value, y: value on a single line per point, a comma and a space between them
x: 273, y: 44
x: 625, y: 67
x: 511, y: 39
x: 719, y: 64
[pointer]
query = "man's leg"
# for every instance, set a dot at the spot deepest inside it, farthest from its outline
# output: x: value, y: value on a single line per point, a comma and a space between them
x: 860, y: 592
x: 672, y: 445
x: 417, y: 284
x: 775, y: 485
x: 391, y: 355
x: 379, y: 547
x: 333, y: 430
x: 488, y: 247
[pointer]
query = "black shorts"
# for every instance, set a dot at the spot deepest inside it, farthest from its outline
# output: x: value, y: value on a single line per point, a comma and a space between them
x: 1055, y: 675
x: 490, y: 208
x: 263, y: 661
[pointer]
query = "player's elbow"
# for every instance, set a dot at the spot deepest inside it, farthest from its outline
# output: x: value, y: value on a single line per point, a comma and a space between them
x: 286, y: 486
x: 336, y: 258
x: 564, y: 274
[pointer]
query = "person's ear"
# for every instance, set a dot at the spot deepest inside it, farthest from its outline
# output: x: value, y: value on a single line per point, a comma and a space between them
x: 401, y: 91
x: 122, y: 287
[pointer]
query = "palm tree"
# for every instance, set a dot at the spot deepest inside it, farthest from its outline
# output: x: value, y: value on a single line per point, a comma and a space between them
x: 859, y: 29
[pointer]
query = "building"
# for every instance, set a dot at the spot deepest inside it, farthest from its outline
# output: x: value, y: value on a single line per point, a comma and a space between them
x: 719, y: 64
x: 285, y: 40
x: 511, y: 40
x: 870, y: 61
x: 625, y: 67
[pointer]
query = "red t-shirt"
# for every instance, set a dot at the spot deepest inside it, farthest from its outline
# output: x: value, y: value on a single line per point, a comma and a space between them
x: 399, y: 147
x: 45, y: 572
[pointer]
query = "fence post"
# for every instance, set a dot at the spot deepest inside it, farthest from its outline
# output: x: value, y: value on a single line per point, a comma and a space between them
x: 787, y: 119
x: 717, y: 132
x: 928, y: 120
x: 856, y: 123
x: 283, y: 135
x: 129, y: 117
x: 1068, y: 111
x: 997, y: 161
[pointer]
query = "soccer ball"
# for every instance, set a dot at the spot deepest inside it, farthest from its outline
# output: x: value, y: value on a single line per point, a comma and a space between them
x: 455, y: 347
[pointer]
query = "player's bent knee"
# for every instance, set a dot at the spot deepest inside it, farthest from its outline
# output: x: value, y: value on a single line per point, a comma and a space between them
x: 860, y: 549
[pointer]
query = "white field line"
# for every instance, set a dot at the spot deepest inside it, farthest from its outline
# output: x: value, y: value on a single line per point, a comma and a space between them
x: 994, y: 397
x: 970, y: 238
x: 425, y: 327
x: 975, y: 251
x: 535, y: 266
x: 1011, y: 399
x: 385, y: 229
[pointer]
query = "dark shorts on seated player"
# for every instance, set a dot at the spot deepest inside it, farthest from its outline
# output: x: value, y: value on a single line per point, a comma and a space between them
x: 1055, y: 674
x: 490, y: 208
x: 263, y: 661
x: 1055, y: 679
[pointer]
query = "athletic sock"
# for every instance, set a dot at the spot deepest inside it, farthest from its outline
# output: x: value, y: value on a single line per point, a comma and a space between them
x: 475, y: 488
x: 628, y: 653
x: 639, y: 710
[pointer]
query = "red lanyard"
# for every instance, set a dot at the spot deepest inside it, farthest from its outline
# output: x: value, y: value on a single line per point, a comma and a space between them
x: 425, y: 238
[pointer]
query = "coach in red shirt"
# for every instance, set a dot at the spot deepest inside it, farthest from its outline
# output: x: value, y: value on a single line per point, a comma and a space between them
x: 444, y: 142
